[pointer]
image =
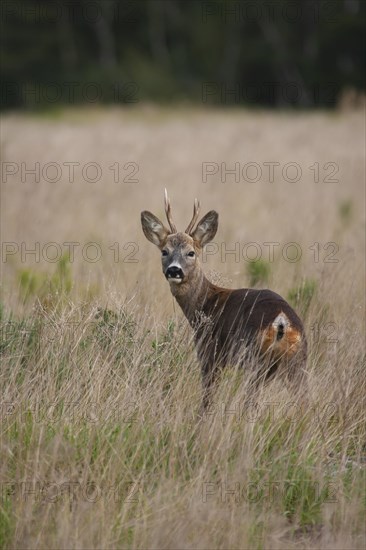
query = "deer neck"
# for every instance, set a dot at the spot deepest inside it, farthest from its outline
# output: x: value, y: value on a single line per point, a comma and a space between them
x: 193, y: 294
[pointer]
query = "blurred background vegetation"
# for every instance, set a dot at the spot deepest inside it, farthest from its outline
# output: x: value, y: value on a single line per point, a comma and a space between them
x: 270, y: 53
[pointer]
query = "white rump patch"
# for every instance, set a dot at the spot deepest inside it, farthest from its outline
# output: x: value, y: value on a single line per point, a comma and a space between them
x: 281, y: 320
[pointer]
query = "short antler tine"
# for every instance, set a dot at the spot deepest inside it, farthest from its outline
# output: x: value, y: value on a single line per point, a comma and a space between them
x: 196, y: 211
x: 168, y: 212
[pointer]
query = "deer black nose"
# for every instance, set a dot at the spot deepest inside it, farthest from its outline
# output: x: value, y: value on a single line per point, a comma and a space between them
x: 174, y: 272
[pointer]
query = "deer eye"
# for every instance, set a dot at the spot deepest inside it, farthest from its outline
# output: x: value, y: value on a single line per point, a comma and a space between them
x: 164, y: 252
x: 191, y: 254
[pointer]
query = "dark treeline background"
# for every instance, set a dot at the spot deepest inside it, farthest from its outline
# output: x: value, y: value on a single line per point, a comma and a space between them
x: 259, y: 52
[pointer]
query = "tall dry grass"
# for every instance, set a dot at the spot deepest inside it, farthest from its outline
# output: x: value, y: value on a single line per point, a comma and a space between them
x: 100, y: 387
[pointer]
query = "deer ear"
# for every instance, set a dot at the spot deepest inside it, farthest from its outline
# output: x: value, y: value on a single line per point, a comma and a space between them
x: 154, y: 230
x: 206, y: 228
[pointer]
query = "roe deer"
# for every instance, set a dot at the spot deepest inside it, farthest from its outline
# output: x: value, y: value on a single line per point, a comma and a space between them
x: 229, y: 325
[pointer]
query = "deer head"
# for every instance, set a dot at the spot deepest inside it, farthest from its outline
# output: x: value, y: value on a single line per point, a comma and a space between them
x: 180, y: 250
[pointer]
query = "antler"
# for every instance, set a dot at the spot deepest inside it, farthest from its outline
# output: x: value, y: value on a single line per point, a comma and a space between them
x: 196, y: 211
x: 169, y: 213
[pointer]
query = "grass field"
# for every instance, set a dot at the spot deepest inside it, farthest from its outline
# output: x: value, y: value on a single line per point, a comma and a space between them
x: 100, y: 386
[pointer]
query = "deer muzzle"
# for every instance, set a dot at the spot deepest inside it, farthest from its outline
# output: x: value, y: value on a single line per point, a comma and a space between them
x: 174, y: 273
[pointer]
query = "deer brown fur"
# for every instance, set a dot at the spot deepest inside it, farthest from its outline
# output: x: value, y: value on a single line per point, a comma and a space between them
x: 230, y: 326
